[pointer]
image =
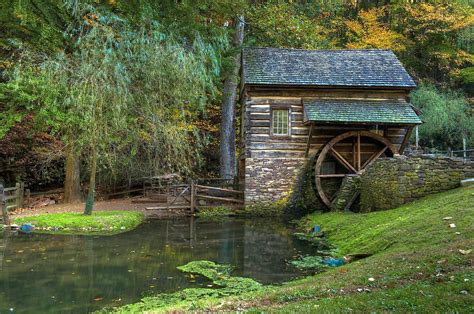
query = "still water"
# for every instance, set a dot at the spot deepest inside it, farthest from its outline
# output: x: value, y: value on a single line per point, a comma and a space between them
x: 79, y: 274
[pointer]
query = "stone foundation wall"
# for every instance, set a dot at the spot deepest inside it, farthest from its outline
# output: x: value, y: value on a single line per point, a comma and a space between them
x: 268, y: 180
x: 391, y: 182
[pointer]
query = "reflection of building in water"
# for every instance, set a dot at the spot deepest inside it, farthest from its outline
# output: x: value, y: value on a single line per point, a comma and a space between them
x: 263, y: 256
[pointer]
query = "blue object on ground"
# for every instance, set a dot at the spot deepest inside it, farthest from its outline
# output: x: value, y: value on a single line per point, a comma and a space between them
x: 27, y: 228
x: 334, y: 262
x: 316, y: 228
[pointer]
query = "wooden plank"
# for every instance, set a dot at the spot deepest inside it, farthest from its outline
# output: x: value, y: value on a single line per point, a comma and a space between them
x: 193, y: 197
x: 300, y: 131
x: 259, y: 116
x: 372, y: 158
x: 308, y: 143
x: 184, y: 206
x: 13, y: 188
x: 289, y: 92
x: 276, y: 154
x: 277, y: 146
x: 11, y: 197
x: 259, y: 109
x: 3, y: 205
x: 358, y: 151
x: 336, y: 175
x: 212, y: 188
x: 342, y: 160
x: 222, y: 199
x: 406, y: 139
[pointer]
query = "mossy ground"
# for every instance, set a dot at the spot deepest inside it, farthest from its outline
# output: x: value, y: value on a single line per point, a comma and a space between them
x: 103, y: 222
x: 416, y: 264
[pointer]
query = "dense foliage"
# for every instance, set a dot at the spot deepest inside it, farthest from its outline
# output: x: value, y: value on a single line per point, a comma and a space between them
x: 138, y: 84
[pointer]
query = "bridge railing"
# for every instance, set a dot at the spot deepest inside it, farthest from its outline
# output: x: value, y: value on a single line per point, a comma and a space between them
x: 11, y: 198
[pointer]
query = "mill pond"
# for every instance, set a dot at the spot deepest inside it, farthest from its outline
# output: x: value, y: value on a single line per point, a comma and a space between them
x: 62, y: 273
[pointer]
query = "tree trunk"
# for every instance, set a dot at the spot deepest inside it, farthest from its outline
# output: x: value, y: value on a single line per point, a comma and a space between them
x: 72, y: 182
x: 227, y: 130
x: 91, y: 194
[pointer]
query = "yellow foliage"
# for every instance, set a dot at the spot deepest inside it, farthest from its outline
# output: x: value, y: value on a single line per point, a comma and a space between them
x: 368, y: 31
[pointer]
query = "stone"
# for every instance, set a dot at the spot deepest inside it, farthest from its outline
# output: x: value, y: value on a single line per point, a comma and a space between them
x: 391, y: 182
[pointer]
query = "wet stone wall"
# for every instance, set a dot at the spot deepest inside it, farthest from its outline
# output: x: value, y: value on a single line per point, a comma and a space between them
x: 391, y: 182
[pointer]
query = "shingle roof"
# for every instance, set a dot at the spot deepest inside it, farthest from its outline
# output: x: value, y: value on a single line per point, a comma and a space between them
x: 359, y: 68
x: 360, y: 111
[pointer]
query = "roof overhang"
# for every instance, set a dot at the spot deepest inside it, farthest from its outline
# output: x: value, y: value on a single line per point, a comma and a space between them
x: 355, y: 111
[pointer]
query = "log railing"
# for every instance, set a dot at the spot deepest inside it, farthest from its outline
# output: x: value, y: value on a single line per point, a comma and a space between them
x: 212, y: 191
x: 11, y: 198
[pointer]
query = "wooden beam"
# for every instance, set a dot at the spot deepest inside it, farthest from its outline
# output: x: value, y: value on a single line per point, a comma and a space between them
x: 193, y: 197
x: 223, y: 199
x: 358, y: 151
x: 335, y: 175
x: 4, y: 207
x: 374, y: 157
x: 342, y: 160
x: 203, y: 187
x: 308, y: 144
x: 406, y: 139
x: 354, y: 153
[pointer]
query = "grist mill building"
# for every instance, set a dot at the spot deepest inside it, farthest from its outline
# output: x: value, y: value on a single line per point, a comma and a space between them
x: 341, y: 109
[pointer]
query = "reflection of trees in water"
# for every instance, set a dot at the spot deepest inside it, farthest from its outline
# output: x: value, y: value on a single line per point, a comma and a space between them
x: 77, y: 269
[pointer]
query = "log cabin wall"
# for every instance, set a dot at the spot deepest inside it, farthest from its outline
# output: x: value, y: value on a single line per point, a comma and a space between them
x: 270, y: 163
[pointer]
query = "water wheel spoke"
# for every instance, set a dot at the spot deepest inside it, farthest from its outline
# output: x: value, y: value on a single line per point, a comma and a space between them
x: 342, y: 160
x: 373, y: 157
x: 333, y: 175
x: 358, y: 152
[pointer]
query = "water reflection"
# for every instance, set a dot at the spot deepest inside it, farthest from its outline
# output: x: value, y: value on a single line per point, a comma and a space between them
x: 44, y: 273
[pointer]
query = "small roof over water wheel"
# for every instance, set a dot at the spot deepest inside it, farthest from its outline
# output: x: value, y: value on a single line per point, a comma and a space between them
x: 346, y: 154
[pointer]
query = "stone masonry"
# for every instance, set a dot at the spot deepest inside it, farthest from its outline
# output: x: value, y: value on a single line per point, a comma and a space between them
x: 348, y: 192
x: 268, y: 180
x: 391, y: 182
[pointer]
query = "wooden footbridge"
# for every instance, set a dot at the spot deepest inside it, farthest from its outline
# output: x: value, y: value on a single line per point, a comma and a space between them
x: 164, y: 193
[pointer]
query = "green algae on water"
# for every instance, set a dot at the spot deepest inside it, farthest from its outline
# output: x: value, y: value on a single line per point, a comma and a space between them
x: 190, y: 298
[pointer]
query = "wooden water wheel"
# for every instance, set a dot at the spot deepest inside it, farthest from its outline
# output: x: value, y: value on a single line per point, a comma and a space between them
x: 347, y: 153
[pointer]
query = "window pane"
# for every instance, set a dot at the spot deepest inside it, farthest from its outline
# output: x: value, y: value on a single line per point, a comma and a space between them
x: 280, y: 122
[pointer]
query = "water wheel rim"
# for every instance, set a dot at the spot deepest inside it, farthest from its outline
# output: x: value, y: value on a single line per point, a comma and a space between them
x: 329, y: 147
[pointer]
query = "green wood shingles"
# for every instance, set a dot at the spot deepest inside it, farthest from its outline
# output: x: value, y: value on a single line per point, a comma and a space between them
x: 360, y: 111
x: 340, y: 68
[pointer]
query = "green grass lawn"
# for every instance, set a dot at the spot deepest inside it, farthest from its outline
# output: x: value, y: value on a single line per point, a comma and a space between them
x: 416, y: 264
x: 104, y: 222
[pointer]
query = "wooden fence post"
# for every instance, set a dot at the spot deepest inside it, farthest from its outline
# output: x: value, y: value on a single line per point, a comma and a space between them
x: 20, y: 195
x: 3, y: 205
x: 193, y: 198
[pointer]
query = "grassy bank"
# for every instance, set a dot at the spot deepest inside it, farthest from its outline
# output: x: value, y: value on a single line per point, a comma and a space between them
x: 418, y: 263
x: 103, y: 222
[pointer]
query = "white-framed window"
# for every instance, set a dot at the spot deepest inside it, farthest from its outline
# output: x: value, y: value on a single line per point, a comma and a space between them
x: 281, y: 122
